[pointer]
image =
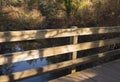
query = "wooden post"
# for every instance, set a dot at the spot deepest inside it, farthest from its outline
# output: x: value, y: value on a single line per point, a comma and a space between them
x: 74, y: 40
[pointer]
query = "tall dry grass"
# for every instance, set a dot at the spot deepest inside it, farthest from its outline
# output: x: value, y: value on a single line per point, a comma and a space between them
x: 20, y: 18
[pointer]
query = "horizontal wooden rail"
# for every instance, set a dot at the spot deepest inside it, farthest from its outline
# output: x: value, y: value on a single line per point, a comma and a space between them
x: 10, y: 36
x: 35, y: 54
x: 49, y: 68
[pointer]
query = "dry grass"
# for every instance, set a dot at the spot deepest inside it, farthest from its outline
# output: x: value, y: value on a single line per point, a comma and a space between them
x: 21, y: 17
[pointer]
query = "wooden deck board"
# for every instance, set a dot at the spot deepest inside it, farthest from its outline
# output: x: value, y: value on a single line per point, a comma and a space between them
x: 76, y: 77
x: 109, y: 72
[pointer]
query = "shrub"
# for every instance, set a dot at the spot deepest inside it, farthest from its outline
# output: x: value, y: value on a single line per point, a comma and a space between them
x: 19, y: 17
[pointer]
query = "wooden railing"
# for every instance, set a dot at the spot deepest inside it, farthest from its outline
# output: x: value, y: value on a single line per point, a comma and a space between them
x: 12, y: 36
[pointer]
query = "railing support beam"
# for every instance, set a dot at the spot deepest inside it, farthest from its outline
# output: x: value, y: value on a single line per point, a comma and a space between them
x: 74, y: 40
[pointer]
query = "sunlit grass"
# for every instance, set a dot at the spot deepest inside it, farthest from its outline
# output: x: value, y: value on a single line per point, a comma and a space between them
x: 22, y: 16
x: 29, y: 14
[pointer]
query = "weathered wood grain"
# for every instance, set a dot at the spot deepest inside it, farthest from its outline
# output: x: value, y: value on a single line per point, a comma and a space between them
x: 35, y: 54
x: 74, y: 54
x: 9, y: 36
x: 96, y: 74
x: 61, y: 65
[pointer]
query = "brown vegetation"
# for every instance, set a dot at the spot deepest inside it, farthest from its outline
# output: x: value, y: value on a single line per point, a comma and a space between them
x: 23, y: 14
x: 17, y: 18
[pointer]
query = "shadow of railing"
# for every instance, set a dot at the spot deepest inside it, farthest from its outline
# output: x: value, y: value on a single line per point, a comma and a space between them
x: 11, y: 36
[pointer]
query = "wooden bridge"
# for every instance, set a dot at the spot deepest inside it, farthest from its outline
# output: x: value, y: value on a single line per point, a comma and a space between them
x: 109, y: 72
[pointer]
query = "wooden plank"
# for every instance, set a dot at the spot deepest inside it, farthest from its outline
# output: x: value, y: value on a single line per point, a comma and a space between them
x: 106, y: 72
x: 35, y: 54
x: 103, y: 74
x: 100, y: 75
x: 73, y: 40
x: 74, y: 54
x: 9, y: 36
x: 61, y: 65
x: 116, y: 66
x: 75, y: 77
x: 115, y: 71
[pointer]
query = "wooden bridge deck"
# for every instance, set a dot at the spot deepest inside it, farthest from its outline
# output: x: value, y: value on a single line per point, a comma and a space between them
x: 109, y: 72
